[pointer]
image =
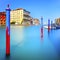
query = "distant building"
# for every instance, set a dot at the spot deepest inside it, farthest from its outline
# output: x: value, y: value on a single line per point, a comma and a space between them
x: 2, y: 18
x: 20, y: 16
x: 57, y: 21
x: 36, y: 21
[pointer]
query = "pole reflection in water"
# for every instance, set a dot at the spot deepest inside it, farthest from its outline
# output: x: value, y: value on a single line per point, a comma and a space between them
x: 48, y: 25
x: 41, y: 33
x: 7, y: 58
x: 55, y: 40
x: 41, y: 28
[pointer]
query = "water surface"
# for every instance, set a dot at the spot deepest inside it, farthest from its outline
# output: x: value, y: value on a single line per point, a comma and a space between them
x: 31, y: 43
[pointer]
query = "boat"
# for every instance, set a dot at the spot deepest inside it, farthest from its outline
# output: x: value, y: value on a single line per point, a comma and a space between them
x: 46, y: 27
x: 57, y: 27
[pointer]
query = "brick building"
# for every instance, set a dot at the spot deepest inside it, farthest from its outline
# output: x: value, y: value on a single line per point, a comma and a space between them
x: 2, y: 18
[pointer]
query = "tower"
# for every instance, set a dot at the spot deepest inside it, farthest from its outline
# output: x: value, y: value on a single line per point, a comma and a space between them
x: 8, y: 30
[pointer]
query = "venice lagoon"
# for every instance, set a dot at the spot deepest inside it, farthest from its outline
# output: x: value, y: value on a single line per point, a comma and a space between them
x: 30, y: 43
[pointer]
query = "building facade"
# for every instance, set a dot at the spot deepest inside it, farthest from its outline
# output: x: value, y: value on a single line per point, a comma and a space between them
x: 36, y: 21
x: 2, y: 18
x: 20, y: 16
x: 57, y: 21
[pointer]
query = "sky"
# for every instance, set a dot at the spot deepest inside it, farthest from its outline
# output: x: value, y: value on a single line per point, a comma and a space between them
x: 49, y: 9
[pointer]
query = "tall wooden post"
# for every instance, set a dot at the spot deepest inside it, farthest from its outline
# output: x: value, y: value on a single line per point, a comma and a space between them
x: 7, y: 30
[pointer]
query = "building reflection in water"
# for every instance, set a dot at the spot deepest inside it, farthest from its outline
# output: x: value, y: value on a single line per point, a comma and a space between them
x: 17, y: 35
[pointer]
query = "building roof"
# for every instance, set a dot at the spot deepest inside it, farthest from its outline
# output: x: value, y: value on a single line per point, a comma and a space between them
x: 21, y: 9
x: 1, y: 13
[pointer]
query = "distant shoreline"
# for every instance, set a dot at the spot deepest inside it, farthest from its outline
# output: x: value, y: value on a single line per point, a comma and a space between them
x: 18, y: 25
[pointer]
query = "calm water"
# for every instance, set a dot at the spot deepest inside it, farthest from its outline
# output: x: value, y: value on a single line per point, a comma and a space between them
x: 30, y: 43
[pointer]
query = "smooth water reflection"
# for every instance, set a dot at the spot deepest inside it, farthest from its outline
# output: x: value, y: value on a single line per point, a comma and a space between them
x: 17, y: 35
x: 31, y: 42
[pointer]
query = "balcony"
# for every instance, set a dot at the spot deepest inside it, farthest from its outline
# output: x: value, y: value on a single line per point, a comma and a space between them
x: 26, y: 14
x: 26, y: 18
